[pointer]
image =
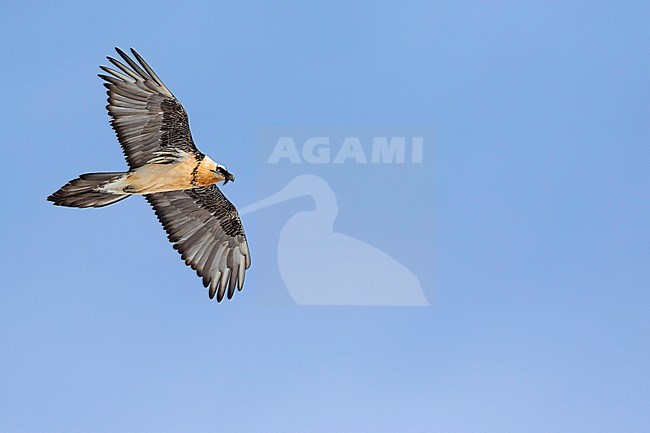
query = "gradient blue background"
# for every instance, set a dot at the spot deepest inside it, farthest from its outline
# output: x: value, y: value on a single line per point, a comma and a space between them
x: 539, y: 319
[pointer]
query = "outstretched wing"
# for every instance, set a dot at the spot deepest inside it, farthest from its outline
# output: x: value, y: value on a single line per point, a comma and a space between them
x: 205, y: 228
x: 148, y: 119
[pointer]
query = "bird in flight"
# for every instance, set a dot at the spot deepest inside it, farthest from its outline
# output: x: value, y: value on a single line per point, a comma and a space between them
x: 177, y: 180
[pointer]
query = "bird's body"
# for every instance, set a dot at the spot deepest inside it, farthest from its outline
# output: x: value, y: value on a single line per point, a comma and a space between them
x: 187, y: 172
x: 171, y: 173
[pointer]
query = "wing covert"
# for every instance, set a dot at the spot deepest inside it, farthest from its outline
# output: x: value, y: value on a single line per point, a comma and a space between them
x: 205, y: 228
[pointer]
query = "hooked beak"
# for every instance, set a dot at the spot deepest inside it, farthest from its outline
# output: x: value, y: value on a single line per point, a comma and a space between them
x: 228, y: 176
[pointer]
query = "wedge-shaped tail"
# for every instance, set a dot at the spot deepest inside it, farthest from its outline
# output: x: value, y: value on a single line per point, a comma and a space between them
x: 86, y: 191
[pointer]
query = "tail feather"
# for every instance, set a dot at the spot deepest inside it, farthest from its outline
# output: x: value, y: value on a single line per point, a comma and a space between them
x: 85, y: 191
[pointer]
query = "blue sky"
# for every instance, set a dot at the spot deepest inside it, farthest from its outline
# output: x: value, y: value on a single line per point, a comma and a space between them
x: 527, y: 226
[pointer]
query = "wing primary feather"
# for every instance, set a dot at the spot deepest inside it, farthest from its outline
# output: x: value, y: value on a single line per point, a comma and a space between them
x: 214, y: 264
x: 110, y: 79
x: 246, y: 253
x: 207, y: 273
x: 230, y: 261
x: 213, y: 288
x: 123, y: 68
x: 242, y: 272
x: 223, y: 283
x: 232, y: 283
x: 214, y: 284
x: 119, y: 75
x: 202, y: 255
x: 149, y: 70
x: 132, y: 64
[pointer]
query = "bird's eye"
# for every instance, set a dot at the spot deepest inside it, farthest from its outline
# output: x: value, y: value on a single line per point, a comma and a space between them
x: 221, y: 168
